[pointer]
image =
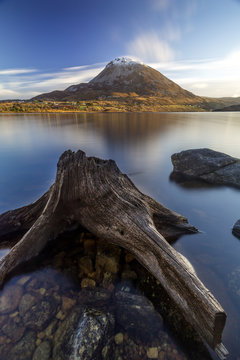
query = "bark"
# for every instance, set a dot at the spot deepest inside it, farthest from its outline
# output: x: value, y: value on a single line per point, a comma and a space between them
x: 95, y: 194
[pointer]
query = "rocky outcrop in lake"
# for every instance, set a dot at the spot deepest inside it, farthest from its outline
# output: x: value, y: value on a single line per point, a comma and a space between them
x: 205, y: 164
x: 210, y: 166
x: 236, y: 229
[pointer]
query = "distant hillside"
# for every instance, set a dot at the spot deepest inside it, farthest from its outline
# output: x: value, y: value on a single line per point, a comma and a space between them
x: 229, y: 108
x: 220, y: 103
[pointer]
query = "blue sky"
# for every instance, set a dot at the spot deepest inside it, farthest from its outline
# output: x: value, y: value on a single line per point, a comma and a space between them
x: 51, y: 44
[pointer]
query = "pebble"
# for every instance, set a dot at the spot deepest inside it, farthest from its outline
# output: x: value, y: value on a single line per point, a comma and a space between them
x: 118, y: 338
x: 85, y: 264
x: 50, y: 329
x: 42, y: 291
x: 67, y: 303
x: 14, y: 314
x: 60, y: 315
x: 41, y: 335
x: 38, y: 342
x: 86, y: 282
x: 152, y: 353
x: 89, y: 247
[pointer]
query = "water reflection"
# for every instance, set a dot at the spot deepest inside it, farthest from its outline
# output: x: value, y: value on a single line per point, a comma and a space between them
x: 142, y: 145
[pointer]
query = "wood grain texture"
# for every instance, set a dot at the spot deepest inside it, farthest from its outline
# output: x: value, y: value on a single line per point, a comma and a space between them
x: 94, y: 193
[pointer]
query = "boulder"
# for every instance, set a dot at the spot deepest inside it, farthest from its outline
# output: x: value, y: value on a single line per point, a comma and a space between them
x: 9, y: 298
x: 23, y: 350
x: 40, y: 314
x: 236, y: 229
x: 94, y: 329
x: 205, y: 164
x: 83, y: 335
x: 135, y: 313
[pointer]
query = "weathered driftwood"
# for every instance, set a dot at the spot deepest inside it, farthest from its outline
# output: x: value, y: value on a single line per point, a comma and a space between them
x: 95, y: 194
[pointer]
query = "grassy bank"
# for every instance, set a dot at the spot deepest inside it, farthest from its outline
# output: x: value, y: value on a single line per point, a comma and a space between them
x: 94, y: 106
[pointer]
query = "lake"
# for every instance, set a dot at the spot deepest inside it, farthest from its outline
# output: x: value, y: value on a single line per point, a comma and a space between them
x: 141, y: 144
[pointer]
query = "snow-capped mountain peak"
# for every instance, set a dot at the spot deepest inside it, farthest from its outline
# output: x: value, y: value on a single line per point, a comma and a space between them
x: 124, y: 60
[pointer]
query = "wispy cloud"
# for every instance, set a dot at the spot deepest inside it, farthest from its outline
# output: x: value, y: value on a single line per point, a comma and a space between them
x: 16, y: 71
x: 150, y: 47
x: 175, y: 8
x: 26, y: 83
x: 175, y: 20
x: 206, y: 77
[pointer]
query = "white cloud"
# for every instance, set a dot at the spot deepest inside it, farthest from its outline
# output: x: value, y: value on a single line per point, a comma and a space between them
x: 150, y: 47
x: 199, y: 85
x: 7, y: 93
x: 205, y: 77
x: 16, y: 71
x: 25, y: 85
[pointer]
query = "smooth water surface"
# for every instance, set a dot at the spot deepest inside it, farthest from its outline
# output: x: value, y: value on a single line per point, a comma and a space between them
x: 141, y: 145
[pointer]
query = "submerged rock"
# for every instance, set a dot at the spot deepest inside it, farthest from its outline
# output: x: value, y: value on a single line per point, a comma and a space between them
x: 43, y: 351
x: 63, y: 338
x: 27, y: 301
x: 135, y: 313
x: 236, y: 229
x: 23, y: 350
x: 83, y: 335
x: 9, y: 298
x: 13, y: 330
x: 107, y: 258
x: 40, y: 314
x: 92, y: 333
x: 208, y: 165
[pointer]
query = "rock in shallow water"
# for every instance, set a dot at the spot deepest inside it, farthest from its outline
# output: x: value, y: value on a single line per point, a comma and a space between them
x: 27, y: 301
x: 83, y: 335
x: 24, y: 348
x: 41, y: 313
x: 10, y: 298
x: 236, y: 229
x: 13, y: 330
x: 135, y: 313
x: 43, y: 351
x: 92, y: 334
x: 208, y: 165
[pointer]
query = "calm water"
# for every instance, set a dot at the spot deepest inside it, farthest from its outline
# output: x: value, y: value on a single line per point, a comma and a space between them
x: 141, y: 144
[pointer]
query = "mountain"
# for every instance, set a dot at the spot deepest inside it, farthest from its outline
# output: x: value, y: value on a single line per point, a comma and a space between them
x: 124, y: 78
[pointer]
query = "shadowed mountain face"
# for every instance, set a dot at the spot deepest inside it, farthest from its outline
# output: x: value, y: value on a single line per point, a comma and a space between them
x: 120, y: 78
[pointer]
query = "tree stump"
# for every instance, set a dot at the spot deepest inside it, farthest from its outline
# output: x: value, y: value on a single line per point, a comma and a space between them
x: 95, y: 194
